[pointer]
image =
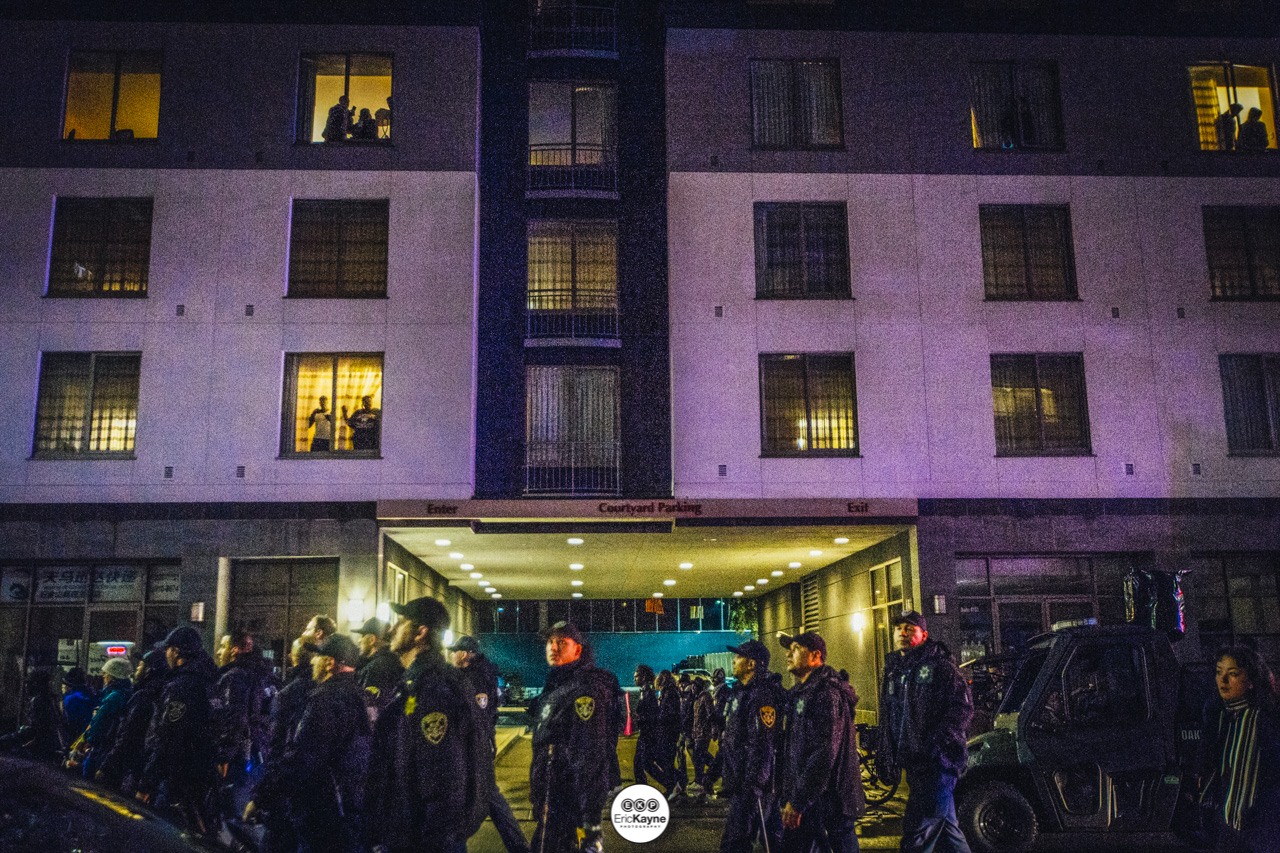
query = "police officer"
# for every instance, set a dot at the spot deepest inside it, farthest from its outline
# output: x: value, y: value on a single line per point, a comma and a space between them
x: 432, y: 763
x: 179, y: 773
x: 286, y: 712
x: 379, y: 670
x: 753, y: 720
x: 925, y: 709
x: 241, y: 723
x: 319, y: 780
x: 821, y: 781
x: 482, y: 676
x: 575, y: 745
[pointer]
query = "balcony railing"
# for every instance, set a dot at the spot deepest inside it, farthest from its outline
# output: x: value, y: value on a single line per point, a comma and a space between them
x: 571, y: 468
x: 569, y: 25
x: 573, y: 324
x: 571, y: 166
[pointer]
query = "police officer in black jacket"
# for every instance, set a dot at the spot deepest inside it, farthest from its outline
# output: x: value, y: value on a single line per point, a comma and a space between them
x: 432, y: 763
x: 753, y: 720
x: 319, y: 780
x: 821, y: 783
x: 379, y: 670
x: 482, y: 675
x: 575, y: 745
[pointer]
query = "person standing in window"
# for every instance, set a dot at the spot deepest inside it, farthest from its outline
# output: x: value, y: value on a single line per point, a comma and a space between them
x: 1241, y: 758
x: 322, y: 420
x: 338, y: 124
x: 366, y: 127
x: 365, y: 423
x: 1253, y: 133
x: 1225, y: 126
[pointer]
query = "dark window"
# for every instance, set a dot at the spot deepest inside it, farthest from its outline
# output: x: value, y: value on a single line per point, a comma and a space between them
x: 795, y: 103
x: 571, y: 430
x: 572, y: 136
x: 802, y: 251
x: 1242, y: 246
x: 275, y: 599
x: 88, y: 404
x: 1026, y: 251
x: 1039, y: 403
x: 573, y: 279
x: 112, y: 96
x: 101, y: 247
x: 1235, y: 107
x: 363, y: 79
x: 1015, y: 105
x: 808, y: 405
x: 332, y: 405
x: 1234, y: 598
x: 338, y: 249
x: 1251, y: 399
x: 572, y: 25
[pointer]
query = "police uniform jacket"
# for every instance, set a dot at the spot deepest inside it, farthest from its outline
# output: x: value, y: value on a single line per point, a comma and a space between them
x: 482, y: 675
x: 575, y: 739
x: 287, y: 708
x: 820, y: 756
x: 925, y: 709
x: 126, y: 753
x: 431, y: 769
x: 378, y: 674
x: 239, y: 714
x: 179, y: 748
x: 753, y: 721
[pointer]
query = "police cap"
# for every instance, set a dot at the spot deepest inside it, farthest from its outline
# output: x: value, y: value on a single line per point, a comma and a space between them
x: 753, y: 649
x: 424, y: 611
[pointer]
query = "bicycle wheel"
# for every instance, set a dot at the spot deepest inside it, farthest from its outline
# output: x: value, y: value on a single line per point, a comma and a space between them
x: 877, y: 789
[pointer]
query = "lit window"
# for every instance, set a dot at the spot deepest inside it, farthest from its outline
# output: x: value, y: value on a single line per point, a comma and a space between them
x: 338, y: 249
x: 1026, y: 251
x: 1242, y: 247
x: 571, y: 430
x: 332, y: 405
x: 88, y: 404
x: 101, y: 247
x: 362, y: 80
x: 572, y: 136
x: 1251, y: 399
x: 573, y: 279
x: 1235, y: 107
x: 112, y: 96
x: 1015, y: 105
x: 1039, y: 404
x: 795, y: 103
x: 808, y: 405
x: 802, y: 251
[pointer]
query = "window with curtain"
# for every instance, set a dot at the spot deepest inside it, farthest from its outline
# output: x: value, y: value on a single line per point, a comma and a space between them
x: 573, y: 278
x: 1242, y: 247
x: 1027, y: 251
x: 802, y: 250
x: 1015, y: 105
x: 332, y: 405
x: 101, y: 247
x: 1235, y: 106
x: 338, y: 249
x: 88, y: 405
x: 1251, y: 400
x: 795, y: 103
x: 364, y: 79
x: 112, y: 95
x: 571, y: 429
x: 572, y: 135
x: 808, y: 405
x: 1040, y: 406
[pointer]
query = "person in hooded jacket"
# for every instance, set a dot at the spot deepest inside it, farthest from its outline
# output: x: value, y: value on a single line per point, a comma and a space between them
x: 124, y: 759
x: 575, y: 745
x: 40, y: 735
x: 432, y: 763
x: 101, y: 733
x: 179, y: 773
x: 753, y: 721
x: 925, y: 709
x: 821, y: 782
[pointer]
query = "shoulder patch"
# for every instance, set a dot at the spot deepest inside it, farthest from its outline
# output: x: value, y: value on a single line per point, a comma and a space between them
x: 410, y: 705
x: 925, y: 675
x: 434, y: 727
x: 373, y: 691
x: 585, y: 706
x: 799, y: 706
x: 482, y: 699
x: 768, y: 716
x: 174, y: 711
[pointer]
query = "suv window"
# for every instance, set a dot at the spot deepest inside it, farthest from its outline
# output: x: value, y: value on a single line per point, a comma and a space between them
x: 1101, y: 685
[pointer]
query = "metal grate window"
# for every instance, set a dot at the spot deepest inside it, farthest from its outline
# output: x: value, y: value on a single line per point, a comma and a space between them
x: 1040, y: 406
x: 810, y: 612
x: 571, y: 430
x: 101, y: 247
x: 1027, y: 251
x: 1251, y: 400
x: 1242, y: 247
x: 808, y: 405
x: 1015, y: 105
x: 573, y: 279
x: 88, y: 404
x: 572, y: 25
x: 802, y: 250
x: 795, y: 103
x: 338, y: 248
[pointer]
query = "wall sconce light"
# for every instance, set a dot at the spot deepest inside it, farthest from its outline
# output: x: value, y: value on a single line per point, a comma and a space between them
x: 448, y: 637
x: 859, y: 621
x: 383, y: 611
x: 355, y: 611
x: 197, y: 611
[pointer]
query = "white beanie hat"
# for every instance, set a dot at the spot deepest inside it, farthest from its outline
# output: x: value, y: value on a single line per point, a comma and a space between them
x: 118, y: 668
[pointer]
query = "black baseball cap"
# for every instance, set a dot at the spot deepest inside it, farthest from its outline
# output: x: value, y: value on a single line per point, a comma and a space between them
x: 753, y: 649
x: 809, y: 639
x: 339, y: 647
x: 373, y: 625
x: 466, y: 644
x: 912, y: 617
x: 185, y: 639
x: 568, y: 630
x: 424, y: 611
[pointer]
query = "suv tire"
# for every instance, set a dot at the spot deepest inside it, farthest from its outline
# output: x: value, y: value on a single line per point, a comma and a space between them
x: 996, y: 818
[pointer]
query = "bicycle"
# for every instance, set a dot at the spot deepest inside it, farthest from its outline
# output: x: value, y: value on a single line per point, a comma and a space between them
x: 878, y: 790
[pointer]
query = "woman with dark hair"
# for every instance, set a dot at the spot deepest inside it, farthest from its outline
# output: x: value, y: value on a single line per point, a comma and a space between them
x: 1242, y: 762
x: 668, y: 734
